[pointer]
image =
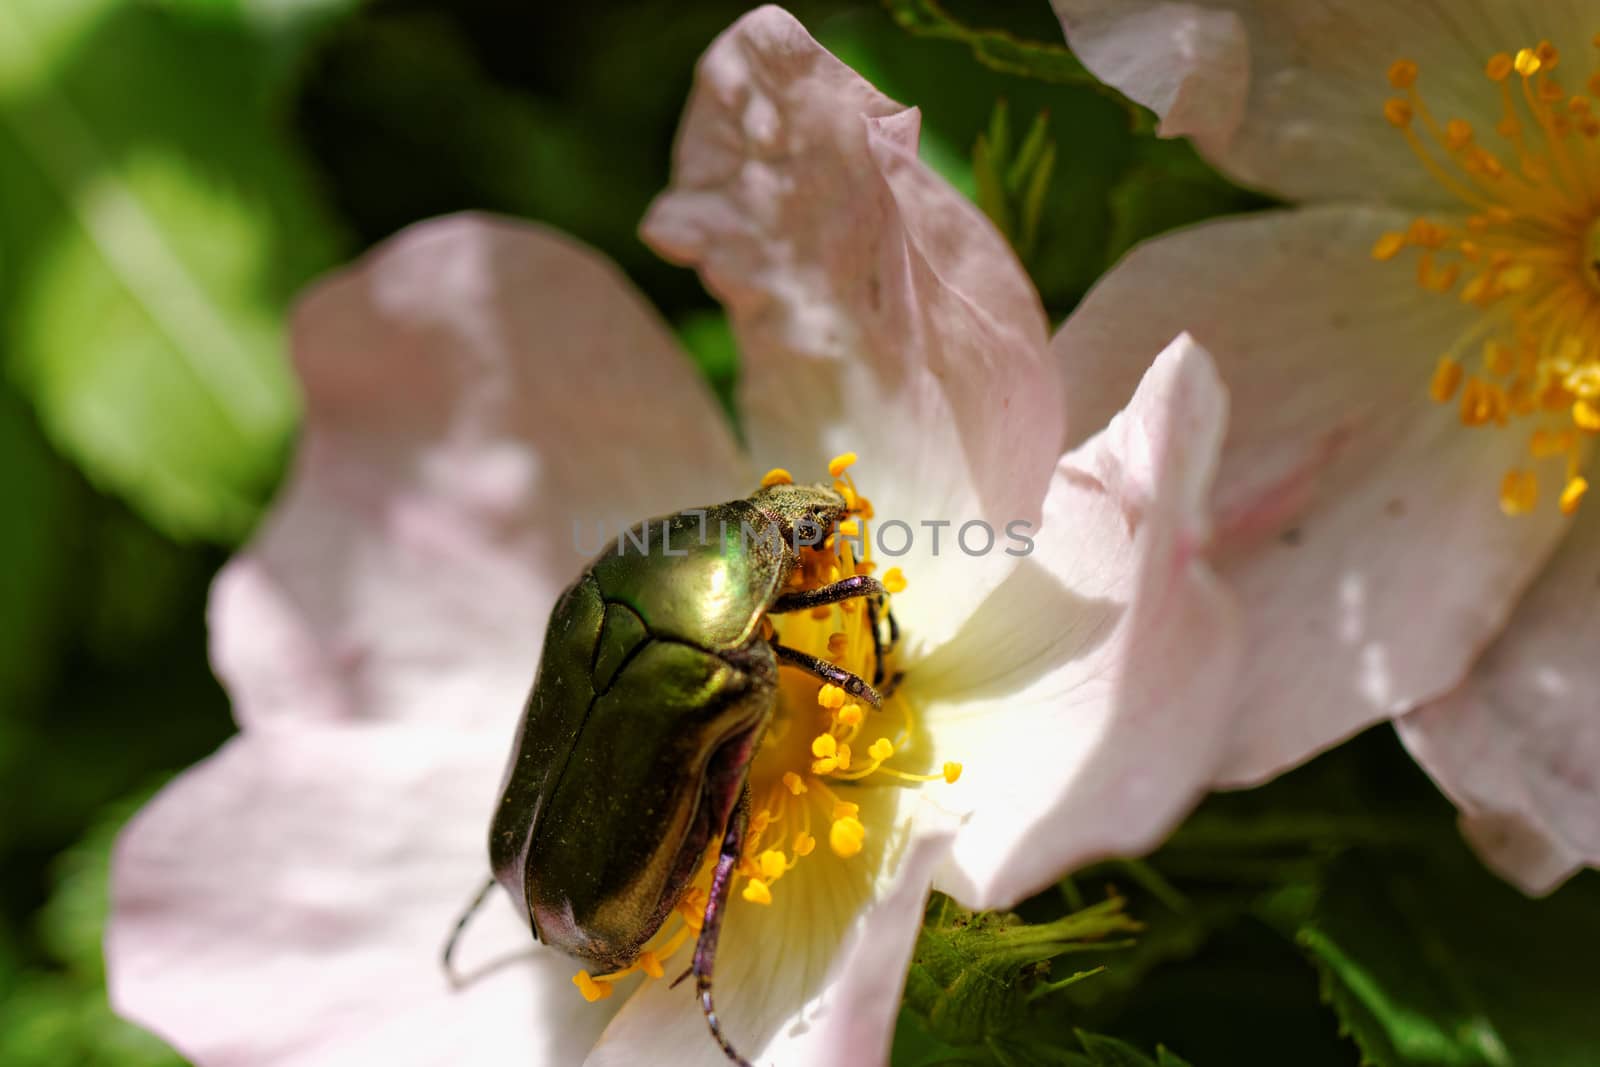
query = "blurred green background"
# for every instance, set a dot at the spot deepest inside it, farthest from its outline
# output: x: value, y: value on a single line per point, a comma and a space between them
x: 173, y: 171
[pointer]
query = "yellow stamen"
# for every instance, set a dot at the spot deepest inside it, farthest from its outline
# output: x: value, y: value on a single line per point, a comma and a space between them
x: 1446, y: 380
x: 846, y: 836
x: 841, y: 463
x: 592, y: 990
x: 894, y: 580
x: 1573, y: 493
x: 756, y: 891
x: 776, y: 476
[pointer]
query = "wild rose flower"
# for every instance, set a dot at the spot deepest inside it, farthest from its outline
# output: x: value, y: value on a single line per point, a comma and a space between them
x: 474, y: 387
x: 1413, y: 356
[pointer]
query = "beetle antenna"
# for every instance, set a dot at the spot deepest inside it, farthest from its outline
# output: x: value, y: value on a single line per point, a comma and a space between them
x: 455, y: 935
x: 705, y: 949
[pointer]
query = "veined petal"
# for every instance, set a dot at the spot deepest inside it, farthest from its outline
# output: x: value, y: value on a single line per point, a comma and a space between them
x: 484, y: 398
x: 1089, y: 698
x: 816, y: 976
x: 1288, y: 95
x: 877, y: 310
x: 283, y: 905
x: 1346, y: 498
x: 1517, y: 747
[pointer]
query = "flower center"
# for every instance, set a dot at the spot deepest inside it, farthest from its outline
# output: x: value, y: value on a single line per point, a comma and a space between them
x: 820, y: 747
x: 1524, y: 250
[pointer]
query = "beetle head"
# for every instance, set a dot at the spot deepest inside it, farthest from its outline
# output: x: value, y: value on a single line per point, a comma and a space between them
x: 811, y: 510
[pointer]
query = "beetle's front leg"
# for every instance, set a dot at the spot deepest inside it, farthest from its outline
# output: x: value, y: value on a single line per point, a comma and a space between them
x: 831, y: 673
x: 852, y: 588
x: 705, y: 949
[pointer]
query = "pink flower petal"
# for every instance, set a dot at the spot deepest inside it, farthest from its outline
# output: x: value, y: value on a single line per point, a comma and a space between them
x: 1347, y: 501
x: 283, y: 905
x: 1090, y: 697
x: 1288, y: 95
x: 473, y: 389
x: 1518, y: 746
x: 877, y: 310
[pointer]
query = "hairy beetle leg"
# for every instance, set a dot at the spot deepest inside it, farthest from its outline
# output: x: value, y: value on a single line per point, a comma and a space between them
x: 880, y: 650
x: 852, y: 588
x: 853, y: 684
x: 705, y: 949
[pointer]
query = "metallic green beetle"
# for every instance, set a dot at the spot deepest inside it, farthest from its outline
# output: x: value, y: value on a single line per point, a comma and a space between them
x: 656, y: 683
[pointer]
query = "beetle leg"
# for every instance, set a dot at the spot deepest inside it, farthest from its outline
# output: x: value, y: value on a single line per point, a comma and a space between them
x: 853, y: 684
x: 705, y: 949
x: 859, y: 585
x: 461, y: 925
x: 873, y: 603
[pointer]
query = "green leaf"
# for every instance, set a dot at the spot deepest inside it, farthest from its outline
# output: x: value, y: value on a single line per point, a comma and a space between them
x: 999, y: 50
x: 155, y: 227
x: 40, y: 505
x: 1167, y: 187
x: 1443, y: 964
x: 62, y: 1016
x: 973, y: 975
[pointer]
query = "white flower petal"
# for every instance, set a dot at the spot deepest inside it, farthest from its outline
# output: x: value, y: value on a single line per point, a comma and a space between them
x: 813, y: 978
x: 1517, y: 747
x: 1288, y: 95
x: 284, y: 903
x: 878, y: 311
x: 473, y: 389
x: 1347, y: 501
x: 1090, y: 697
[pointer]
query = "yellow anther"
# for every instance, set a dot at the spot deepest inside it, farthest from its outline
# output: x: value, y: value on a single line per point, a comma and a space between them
x: 793, y: 783
x: 1398, y: 111
x: 650, y: 964
x: 894, y: 580
x: 1516, y: 278
x: 771, y: 864
x: 850, y: 528
x: 1577, y: 485
x: 846, y: 836
x: 952, y: 771
x: 804, y: 843
x: 1499, y: 67
x: 1586, y: 414
x: 843, y: 809
x: 824, y: 745
x: 844, y: 757
x: 1499, y: 359
x: 759, y: 822
x: 776, y: 476
x: 841, y: 463
x: 1519, y: 492
x: 1548, y: 55
x: 838, y: 643
x: 1446, y: 380
x: 826, y: 765
x: 1402, y: 74
x: 757, y: 892
x: 850, y: 715
x: 881, y: 749
x: 1457, y: 134
x: 592, y: 990
x: 831, y: 697
x: 1388, y: 246
x: 1527, y: 62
